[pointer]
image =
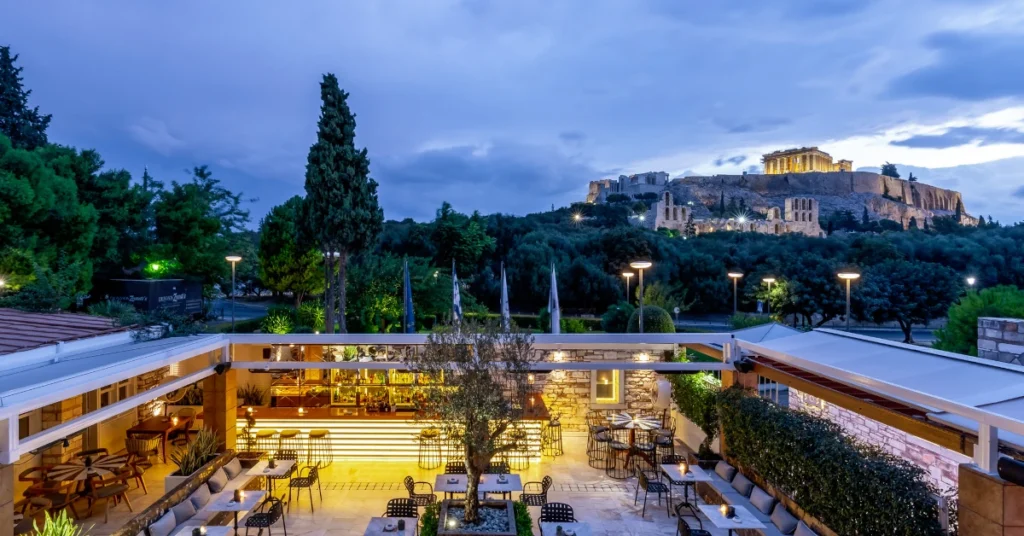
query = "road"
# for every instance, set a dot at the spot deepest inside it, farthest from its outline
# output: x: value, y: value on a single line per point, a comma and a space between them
x: 244, y: 310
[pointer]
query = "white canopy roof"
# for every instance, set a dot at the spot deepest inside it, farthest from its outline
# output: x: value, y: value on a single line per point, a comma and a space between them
x: 946, y: 385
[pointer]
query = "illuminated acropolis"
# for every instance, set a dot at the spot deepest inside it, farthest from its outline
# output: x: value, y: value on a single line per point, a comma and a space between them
x: 802, y: 160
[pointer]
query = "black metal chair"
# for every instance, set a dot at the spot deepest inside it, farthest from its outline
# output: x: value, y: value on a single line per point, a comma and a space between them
x: 556, y: 513
x: 402, y: 508
x: 665, y: 441
x: 285, y: 455
x: 551, y: 437
x: 312, y: 476
x: 455, y: 468
x: 417, y: 497
x: 658, y: 488
x: 644, y: 449
x: 531, y: 496
x: 497, y: 468
x: 683, y: 529
x: 595, y: 425
x: 598, y: 438
x: 270, y: 511
x: 429, y: 448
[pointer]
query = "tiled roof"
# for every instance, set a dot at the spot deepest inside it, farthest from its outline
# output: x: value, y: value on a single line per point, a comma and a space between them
x: 22, y: 331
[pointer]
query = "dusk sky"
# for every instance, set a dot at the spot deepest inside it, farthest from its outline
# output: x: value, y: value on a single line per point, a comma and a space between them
x: 503, y: 106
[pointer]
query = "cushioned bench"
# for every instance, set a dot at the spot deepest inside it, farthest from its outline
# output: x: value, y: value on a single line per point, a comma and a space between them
x: 186, y: 505
x: 731, y: 487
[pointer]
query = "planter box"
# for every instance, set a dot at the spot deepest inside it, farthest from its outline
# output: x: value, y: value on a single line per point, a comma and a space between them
x: 249, y: 459
x: 173, y: 481
x: 505, y: 506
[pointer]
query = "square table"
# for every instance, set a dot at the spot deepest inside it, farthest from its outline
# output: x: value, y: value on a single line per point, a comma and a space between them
x: 282, y: 468
x: 211, y: 530
x: 743, y: 519
x: 376, y: 526
x: 693, y: 475
x: 551, y: 529
x: 488, y: 484
x: 225, y: 502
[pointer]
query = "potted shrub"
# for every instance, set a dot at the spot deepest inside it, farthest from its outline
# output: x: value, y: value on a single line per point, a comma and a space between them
x: 58, y: 525
x: 248, y: 457
x: 191, y: 458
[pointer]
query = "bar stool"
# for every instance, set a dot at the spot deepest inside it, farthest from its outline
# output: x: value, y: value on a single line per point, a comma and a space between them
x: 618, y: 454
x: 595, y: 425
x: 289, y: 440
x: 519, y: 457
x: 319, y: 448
x: 665, y: 441
x: 266, y: 441
x: 551, y: 438
x: 430, y: 448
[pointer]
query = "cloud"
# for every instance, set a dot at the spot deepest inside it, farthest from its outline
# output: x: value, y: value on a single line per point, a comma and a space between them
x: 154, y: 134
x: 734, y: 160
x: 572, y: 137
x: 749, y: 125
x: 958, y: 136
x: 505, y: 177
x: 970, y: 66
x: 1019, y: 192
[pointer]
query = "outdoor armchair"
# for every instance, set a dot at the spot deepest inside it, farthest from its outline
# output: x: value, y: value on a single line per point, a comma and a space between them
x: 658, y: 488
x: 402, y: 508
x: 683, y: 529
x: 416, y: 494
x: 270, y: 511
x: 536, y: 493
x: 557, y: 513
x: 307, y: 477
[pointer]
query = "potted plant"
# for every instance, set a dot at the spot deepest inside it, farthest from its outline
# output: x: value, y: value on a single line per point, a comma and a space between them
x: 191, y: 458
x: 248, y: 457
x: 58, y: 525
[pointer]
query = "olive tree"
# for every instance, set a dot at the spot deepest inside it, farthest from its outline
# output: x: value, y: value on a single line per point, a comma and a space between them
x: 485, y: 390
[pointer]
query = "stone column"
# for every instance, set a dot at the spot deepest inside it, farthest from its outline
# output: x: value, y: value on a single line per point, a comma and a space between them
x: 6, y: 500
x: 220, y: 406
x: 58, y: 413
x: 989, y: 505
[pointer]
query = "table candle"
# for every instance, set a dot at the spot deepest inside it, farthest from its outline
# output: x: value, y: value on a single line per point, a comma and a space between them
x: 683, y: 468
x: 724, y: 509
x: 202, y: 529
x: 174, y: 421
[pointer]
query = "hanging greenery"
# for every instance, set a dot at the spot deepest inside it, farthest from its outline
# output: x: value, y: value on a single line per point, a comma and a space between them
x: 696, y: 395
x: 850, y: 487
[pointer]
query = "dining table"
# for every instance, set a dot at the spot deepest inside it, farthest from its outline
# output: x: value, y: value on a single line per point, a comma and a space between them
x: 83, y: 469
x: 741, y: 519
x: 634, y: 423
x: 163, y: 426
x: 378, y: 526
x: 225, y: 502
x: 693, y: 474
x: 570, y: 529
x: 489, y: 483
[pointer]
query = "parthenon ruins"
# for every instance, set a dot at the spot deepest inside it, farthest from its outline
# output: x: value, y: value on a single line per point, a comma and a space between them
x: 802, y: 160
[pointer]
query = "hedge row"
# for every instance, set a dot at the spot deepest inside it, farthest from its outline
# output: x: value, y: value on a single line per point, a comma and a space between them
x: 850, y: 487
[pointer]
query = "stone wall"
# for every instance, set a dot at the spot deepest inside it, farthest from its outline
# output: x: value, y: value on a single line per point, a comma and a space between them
x: 1001, y: 339
x: 567, y: 392
x: 57, y: 413
x: 940, y: 464
x: 146, y: 382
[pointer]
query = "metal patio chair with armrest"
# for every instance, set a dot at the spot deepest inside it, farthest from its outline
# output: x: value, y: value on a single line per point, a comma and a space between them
x: 683, y: 529
x: 417, y: 496
x: 286, y: 455
x: 557, y: 513
x: 269, y: 512
x: 402, y: 508
x: 455, y: 468
x: 536, y: 493
x: 658, y: 488
x: 311, y: 476
x: 497, y: 468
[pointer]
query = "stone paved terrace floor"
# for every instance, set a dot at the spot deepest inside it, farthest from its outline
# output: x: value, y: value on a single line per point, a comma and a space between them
x: 354, y: 492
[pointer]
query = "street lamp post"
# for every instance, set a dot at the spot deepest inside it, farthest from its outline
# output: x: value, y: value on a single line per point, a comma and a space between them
x: 971, y: 280
x: 768, y: 302
x: 233, y: 259
x: 627, y: 275
x: 735, y: 276
x: 848, y: 277
x: 641, y: 266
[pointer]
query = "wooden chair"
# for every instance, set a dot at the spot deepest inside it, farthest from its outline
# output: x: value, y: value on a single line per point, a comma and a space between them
x: 113, y: 488
x: 60, y: 494
x: 181, y: 437
x: 142, y: 445
x: 136, y: 471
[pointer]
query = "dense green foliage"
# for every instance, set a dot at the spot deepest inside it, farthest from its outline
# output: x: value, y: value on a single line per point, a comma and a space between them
x: 340, y: 212
x: 696, y: 395
x: 742, y: 320
x: 906, y: 292
x: 616, y: 318
x: 852, y: 488
x: 656, y: 320
x: 960, y: 333
x: 23, y: 125
x: 286, y: 265
x: 429, y: 519
x: 524, y: 521
x: 278, y: 322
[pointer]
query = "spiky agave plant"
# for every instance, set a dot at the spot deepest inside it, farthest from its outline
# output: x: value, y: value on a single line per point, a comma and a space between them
x: 196, y: 453
x: 59, y: 525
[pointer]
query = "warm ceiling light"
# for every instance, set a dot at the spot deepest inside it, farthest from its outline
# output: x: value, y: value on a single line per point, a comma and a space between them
x: 233, y: 258
x: 735, y: 275
x: 849, y: 275
x: 640, y: 265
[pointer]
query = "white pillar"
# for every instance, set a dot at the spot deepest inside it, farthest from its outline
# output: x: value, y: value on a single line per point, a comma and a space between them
x: 986, y: 453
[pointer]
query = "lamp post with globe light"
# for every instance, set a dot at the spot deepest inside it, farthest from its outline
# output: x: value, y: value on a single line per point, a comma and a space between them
x: 849, y: 277
x: 641, y: 266
x: 233, y: 259
x: 735, y: 276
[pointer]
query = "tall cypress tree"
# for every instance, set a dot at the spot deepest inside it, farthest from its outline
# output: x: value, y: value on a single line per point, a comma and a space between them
x: 959, y: 211
x: 340, y: 212
x: 25, y: 126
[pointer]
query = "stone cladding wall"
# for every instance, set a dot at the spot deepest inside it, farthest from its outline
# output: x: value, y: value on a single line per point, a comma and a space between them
x: 1001, y: 339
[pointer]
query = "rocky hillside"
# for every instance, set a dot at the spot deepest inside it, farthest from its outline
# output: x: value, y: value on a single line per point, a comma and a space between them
x: 884, y: 197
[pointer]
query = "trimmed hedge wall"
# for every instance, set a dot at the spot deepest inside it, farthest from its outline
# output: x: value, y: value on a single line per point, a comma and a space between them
x: 850, y: 487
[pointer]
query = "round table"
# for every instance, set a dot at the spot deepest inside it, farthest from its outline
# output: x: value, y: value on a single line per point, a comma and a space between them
x: 86, y: 468
x: 632, y: 423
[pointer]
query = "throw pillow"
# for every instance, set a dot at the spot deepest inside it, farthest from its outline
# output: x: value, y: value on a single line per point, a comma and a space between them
x: 163, y: 526
x: 200, y: 497
x: 803, y: 530
x: 762, y: 501
x: 233, y: 468
x: 218, y: 481
x: 784, y: 520
x: 183, y: 511
x: 725, y: 471
x: 742, y: 485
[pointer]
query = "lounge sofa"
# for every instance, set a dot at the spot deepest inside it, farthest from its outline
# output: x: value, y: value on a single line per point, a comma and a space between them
x: 735, y: 489
x: 186, y: 505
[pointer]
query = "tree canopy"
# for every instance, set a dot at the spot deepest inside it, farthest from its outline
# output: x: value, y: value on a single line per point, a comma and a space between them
x: 22, y: 124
